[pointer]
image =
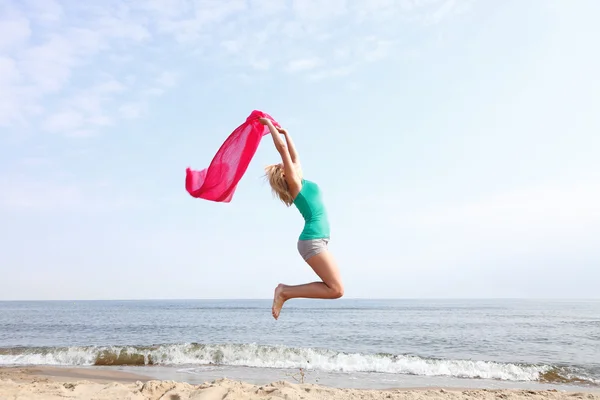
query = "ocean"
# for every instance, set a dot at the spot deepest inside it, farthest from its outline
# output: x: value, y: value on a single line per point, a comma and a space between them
x: 344, y: 343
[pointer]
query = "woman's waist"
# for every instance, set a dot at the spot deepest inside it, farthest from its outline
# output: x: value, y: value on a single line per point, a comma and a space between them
x: 316, y: 219
x: 316, y: 224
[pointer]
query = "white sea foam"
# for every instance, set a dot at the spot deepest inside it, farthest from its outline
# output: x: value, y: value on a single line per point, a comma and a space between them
x: 253, y: 355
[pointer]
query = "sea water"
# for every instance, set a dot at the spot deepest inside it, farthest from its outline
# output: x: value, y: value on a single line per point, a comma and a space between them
x: 344, y: 343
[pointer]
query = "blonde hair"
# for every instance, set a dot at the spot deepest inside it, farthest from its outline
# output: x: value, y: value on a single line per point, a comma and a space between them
x: 279, y: 186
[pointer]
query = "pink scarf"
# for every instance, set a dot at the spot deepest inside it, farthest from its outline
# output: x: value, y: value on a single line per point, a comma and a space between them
x: 219, y: 181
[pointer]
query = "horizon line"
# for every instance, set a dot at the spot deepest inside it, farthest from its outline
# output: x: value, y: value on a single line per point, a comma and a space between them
x: 337, y: 300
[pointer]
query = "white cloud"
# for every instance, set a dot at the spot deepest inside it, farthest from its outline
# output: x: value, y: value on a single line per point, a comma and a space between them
x: 87, y: 102
x: 316, y: 9
x: 153, y: 92
x: 55, y: 64
x: 526, y: 223
x: 376, y: 49
x: 81, y: 133
x: 116, y: 28
x: 167, y: 79
x: 35, y: 161
x: 303, y: 64
x: 45, y: 11
x: 232, y: 46
x: 39, y: 196
x: 300, y: 26
x: 555, y: 204
x: 110, y: 86
x: 261, y: 65
x: 100, y: 120
x: 331, y: 73
x: 9, y: 74
x: 268, y: 7
x: 208, y: 11
x: 197, y: 22
x: 49, y: 65
x: 379, y: 9
x: 446, y: 10
x: 48, y: 195
x: 85, y: 108
x: 80, y: 46
x: 64, y: 121
x: 542, y: 216
x: 15, y: 31
x: 135, y: 109
x: 132, y: 110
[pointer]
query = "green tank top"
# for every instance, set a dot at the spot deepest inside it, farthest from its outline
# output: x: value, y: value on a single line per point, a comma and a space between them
x: 310, y: 204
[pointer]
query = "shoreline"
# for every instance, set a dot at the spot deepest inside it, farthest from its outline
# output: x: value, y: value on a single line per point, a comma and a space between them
x: 46, y: 382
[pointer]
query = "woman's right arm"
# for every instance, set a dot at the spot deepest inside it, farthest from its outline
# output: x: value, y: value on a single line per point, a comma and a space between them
x: 277, y: 140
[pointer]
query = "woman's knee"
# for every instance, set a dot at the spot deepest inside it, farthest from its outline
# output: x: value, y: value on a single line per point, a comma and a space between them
x: 337, y: 290
x: 325, y: 267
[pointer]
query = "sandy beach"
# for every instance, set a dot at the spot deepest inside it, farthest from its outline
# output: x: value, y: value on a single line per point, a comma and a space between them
x: 51, y: 383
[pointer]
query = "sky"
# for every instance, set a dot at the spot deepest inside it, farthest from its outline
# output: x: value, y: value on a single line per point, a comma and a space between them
x: 457, y: 143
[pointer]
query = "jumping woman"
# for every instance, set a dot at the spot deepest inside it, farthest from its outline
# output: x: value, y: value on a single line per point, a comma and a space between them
x: 290, y: 187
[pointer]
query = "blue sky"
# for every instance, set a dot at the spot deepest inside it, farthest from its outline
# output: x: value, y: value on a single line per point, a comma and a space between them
x: 457, y: 143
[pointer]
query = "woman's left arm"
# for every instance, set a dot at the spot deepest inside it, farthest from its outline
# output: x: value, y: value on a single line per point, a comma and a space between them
x: 290, y: 145
x: 289, y: 167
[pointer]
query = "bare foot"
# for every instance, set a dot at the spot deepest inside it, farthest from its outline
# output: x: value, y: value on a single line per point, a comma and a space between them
x: 278, y: 300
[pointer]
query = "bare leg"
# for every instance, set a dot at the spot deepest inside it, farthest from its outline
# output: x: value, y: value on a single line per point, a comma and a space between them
x: 331, y: 286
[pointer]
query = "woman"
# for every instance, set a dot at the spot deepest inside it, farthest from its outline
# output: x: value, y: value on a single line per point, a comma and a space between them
x: 288, y: 185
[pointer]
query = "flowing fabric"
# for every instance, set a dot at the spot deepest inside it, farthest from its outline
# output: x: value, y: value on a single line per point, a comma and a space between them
x: 219, y: 181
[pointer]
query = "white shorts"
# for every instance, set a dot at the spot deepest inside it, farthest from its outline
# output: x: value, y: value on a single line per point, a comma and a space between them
x: 311, y: 247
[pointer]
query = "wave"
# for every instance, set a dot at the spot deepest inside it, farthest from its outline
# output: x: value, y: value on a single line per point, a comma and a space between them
x: 254, y: 355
